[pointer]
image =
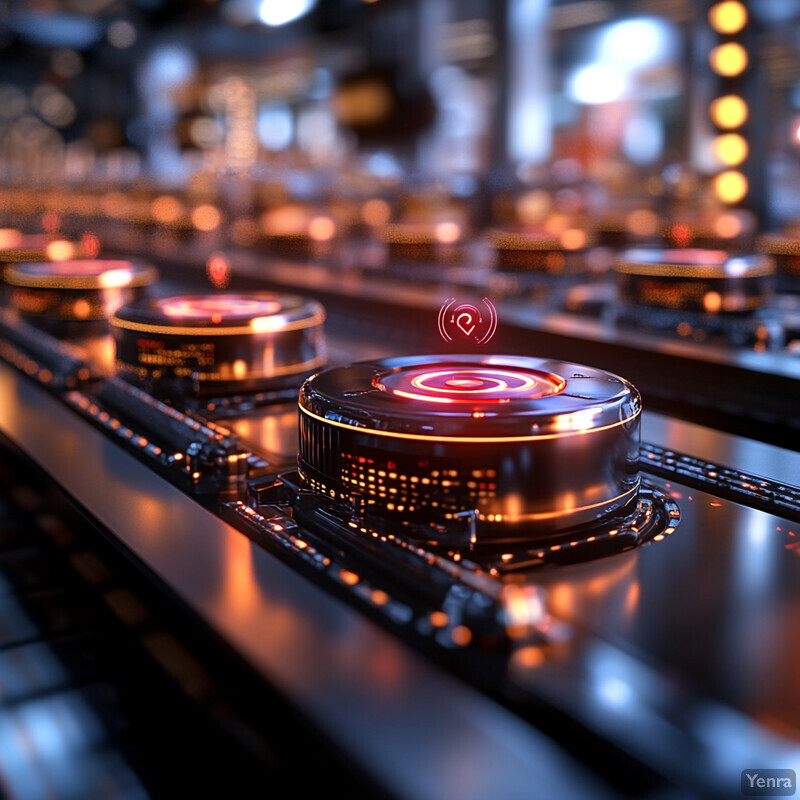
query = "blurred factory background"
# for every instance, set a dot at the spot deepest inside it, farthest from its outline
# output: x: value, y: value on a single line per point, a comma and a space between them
x: 518, y: 109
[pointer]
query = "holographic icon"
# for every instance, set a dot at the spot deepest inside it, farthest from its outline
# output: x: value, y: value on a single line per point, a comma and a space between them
x: 464, y: 319
x: 467, y: 321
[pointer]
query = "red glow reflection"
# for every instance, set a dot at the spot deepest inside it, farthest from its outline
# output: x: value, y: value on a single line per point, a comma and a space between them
x: 90, y: 244
x: 695, y: 256
x: 217, y: 307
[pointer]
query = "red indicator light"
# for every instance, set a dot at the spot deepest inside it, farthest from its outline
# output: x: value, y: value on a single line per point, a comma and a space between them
x: 218, y: 270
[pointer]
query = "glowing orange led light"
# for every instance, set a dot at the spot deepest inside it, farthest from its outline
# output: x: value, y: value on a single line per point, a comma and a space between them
x: 206, y: 218
x: 350, y: 578
x: 712, y: 302
x: 730, y: 149
x: 81, y: 309
x: 461, y: 635
x: 727, y: 226
x: 376, y: 212
x: 379, y: 597
x: 730, y: 186
x: 59, y: 250
x: 729, y: 111
x: 166, y: 209
x: 321, y: 229
x: 573, y: 239
x: 728, y: 59
x: 448, y: 232
x: 10, y: 237
x: 530, y: 657
x: 729, y: 16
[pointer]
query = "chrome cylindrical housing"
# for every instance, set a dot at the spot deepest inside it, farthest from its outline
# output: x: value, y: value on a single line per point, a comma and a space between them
x: 422, y: 241
x: 784, y: 249
x: 708, y: 281
x: 220, y: 343
x: 59, y: 293
x: 524, y: 447
x: 540, y: 251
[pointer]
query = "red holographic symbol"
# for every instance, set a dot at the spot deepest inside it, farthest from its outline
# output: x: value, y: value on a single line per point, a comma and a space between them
x: 467, y: 321
x: 218, y: 270
x: 90, y: 244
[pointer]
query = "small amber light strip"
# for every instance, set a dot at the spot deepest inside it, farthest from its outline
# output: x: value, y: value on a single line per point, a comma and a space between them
x: 183, y: 330
x: 754, y: 269
x: 138, y: 276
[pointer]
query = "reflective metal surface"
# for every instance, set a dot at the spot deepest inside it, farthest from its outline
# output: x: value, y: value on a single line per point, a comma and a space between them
x: 521, y: 443
x: 349, y: 677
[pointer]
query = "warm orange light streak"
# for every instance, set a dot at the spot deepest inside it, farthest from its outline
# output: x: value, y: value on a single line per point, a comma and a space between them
x: 241, y: 589
x: 232, y: 330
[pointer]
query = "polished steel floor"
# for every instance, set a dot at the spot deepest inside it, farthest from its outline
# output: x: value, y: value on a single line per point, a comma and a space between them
x: 106, y: 690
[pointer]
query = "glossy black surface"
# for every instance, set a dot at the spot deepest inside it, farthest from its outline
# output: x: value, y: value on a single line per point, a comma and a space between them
x: 662, y: 671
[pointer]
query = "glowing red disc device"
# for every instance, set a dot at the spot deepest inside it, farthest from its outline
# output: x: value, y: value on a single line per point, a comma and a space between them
x: 524, y: 447
x: 693, y: 279
x: 220, y: 343
x: 80, y: 291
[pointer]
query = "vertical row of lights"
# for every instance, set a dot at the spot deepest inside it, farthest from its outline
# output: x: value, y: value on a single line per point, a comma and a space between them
x: 729, y: 59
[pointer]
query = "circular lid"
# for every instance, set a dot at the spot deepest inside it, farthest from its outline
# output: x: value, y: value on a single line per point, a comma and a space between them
x: 18, y: 246
x: 692, y: 263
x: 470, y: 397
x: 779, y: 244
x: 80, y: 274
x: 220, y: 314
x: 445, y: 232
x: 539, y: 239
